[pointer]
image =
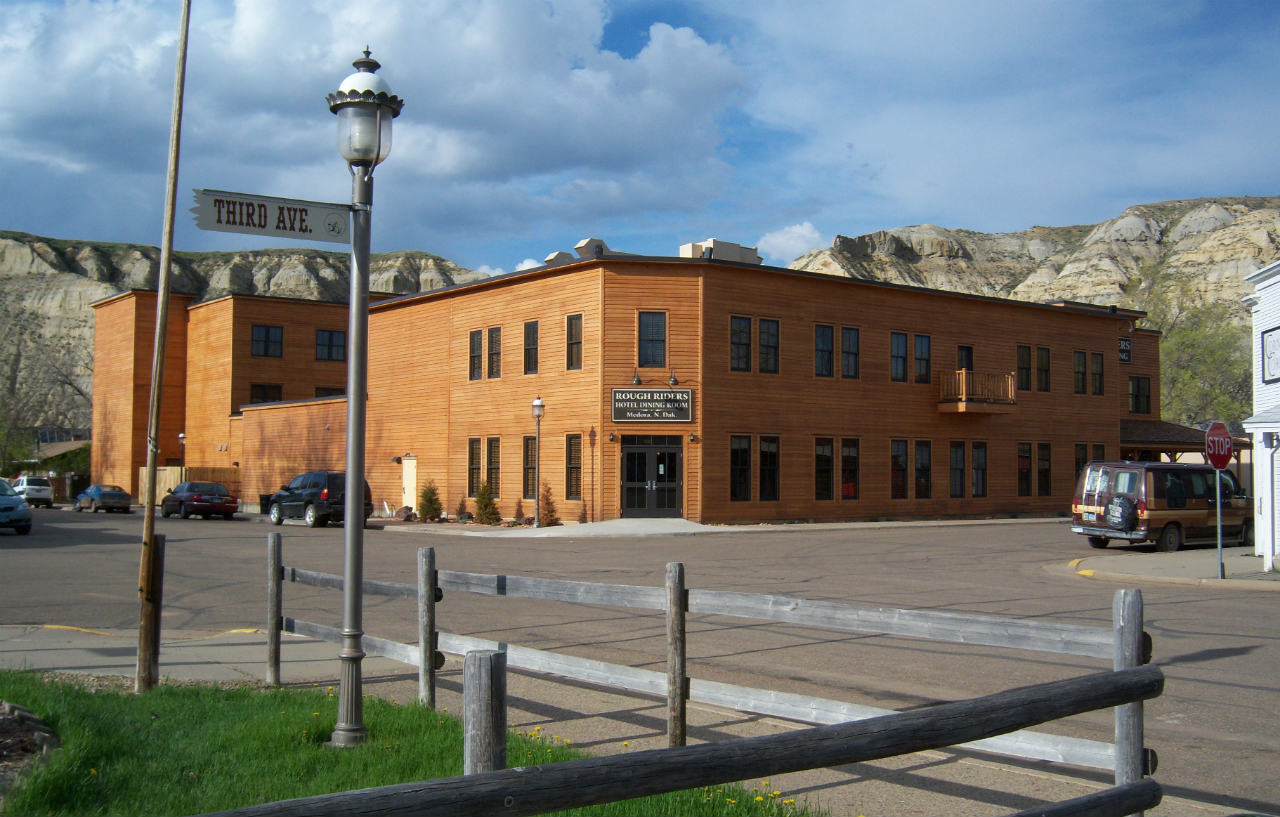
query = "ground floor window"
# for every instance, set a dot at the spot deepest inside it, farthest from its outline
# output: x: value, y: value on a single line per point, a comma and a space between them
x: 739, y: 468
x: 849, y: 468
x: 473, y: 466
x: 957, y: 469
x: 1024, y: 469
x: 924, y: 469
x: 1082, y: 457
x: 769, y: 469
x: 494, y: 460
x: 265, y: 393
x: 979, y: 486
x: 1099, y: 451
x: 823, y: 467
x: 1044, y: 476
x: 573, y: 466
x: 898, y: 469
x: 530, y: 468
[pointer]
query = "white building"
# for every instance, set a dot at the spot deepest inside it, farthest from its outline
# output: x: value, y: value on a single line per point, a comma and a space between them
x: 1264, y: 425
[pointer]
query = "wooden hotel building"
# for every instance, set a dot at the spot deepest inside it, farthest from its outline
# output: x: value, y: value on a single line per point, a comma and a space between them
x: 704, y: 386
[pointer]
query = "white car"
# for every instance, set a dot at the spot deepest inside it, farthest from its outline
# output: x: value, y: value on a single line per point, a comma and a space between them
x: 36, y: 490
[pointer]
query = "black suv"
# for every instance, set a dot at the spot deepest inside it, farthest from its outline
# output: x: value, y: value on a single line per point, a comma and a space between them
x: 316, y: 497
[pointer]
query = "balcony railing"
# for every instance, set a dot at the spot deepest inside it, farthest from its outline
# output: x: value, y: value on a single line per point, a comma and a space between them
x: 967, y: 391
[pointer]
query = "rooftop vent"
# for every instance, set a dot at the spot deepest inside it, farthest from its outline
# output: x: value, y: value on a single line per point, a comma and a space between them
x: 719, y: 250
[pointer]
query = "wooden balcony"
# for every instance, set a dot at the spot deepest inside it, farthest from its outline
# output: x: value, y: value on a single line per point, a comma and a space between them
x: 964, y: 391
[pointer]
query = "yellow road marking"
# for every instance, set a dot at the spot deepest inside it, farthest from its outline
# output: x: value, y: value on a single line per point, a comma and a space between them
x: 76, y: 629
x: 242, y: 630
x: 1085, y: 572
x: 1074, y: 563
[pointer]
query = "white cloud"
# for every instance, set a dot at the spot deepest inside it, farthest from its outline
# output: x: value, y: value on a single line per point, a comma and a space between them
x: 528, y: 263
x: 789, y: 243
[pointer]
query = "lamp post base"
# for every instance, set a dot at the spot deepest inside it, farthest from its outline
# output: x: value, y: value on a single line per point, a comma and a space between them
x: 350, y: 729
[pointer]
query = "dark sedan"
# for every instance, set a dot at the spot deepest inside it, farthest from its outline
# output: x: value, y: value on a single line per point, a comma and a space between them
x: 204, y: 499
x: 98, y: 497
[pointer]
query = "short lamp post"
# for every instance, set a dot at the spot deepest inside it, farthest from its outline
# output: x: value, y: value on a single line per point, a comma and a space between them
x: 365, y: 107
x: 539, y: 408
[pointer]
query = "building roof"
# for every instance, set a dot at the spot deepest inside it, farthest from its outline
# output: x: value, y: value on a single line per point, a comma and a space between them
x: 1163, y: 436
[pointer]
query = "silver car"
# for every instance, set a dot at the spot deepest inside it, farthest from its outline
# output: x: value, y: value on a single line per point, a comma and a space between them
x: 14, y: 512
x: 36, y: 490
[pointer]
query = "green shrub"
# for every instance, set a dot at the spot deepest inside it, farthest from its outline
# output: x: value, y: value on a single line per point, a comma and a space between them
x: 547, y: 507
x: 429, y: 506
x: 486, y: 509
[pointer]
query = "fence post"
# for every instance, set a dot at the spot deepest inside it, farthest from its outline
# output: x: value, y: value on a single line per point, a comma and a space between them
x: 677, y: 681
x: 275, y: 576
x: 484, y: 711
x: 427, y: 637
x: 1126, y: 614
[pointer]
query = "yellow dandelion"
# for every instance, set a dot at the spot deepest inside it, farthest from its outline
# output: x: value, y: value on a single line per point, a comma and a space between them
x: 764, y: 783
x: 788, y: 802
x: 775, y: 794
x: 730, y: 800
x: 626, y: 743
x: 93, y: 771
x: 759, y: 798
x: 566, y: 741
x: 315, y: 714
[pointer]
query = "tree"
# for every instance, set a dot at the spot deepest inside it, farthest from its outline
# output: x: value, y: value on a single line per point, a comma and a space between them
x: 429, y: 506
x: 1206, y: 367
x: 486, y: 509
x: 547, y: 507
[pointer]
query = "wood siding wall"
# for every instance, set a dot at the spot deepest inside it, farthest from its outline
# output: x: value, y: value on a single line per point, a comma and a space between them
x: 290, y: 439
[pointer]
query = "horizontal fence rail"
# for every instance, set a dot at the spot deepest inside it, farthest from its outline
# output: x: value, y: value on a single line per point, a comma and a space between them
x: 571, y: 784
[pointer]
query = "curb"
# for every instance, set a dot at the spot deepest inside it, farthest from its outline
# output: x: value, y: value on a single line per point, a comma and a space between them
x: 1185, y: 581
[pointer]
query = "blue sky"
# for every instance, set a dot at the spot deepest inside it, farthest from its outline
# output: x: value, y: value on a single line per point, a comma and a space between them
x: 531, y: 124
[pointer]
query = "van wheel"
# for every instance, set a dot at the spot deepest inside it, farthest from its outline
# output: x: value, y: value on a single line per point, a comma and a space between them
x: 1246, y: 535
x: 1170, y: 539
x: 1098, y: 541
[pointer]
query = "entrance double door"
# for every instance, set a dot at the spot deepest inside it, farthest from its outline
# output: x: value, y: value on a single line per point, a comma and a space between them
x: 652, y: 482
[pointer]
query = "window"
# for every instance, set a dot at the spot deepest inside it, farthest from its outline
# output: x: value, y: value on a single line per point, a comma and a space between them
x: 1024, y: 469
x: 849, y: 468
x: 924, y: 470
x: 979, y: 486
x: 531, y: 347
x: 493, y: 459
x: 739, y: 344
x: 898, y: 357
x: 268, y: 341
x: 495, y: 352
x: 1097, y: 373
x: 823, y: 351
x: 769, y: 469
x: 957, y: 469
x: 1024, y: 368
x: 922, y: 358
x: 1042, y: 368
x: 823, y: 467
x: 1081, y: 379
x: 573, y: 466
x: 473, y: 466
x: 330, y: 391
x: 768, y: 346
x: 573, y: 342
x: 898, y: 468
x: 739, y: 468
x: 1139, y: 395
x: 1082, y: 457
x: 1044, y: 477
x: 964, y: 358
x: 849, y: 342
x: 653, y: 340
x: 1099, y: 451
x: 476, y: 358
x: 530, y: 488
x: 331, y: 344
x: 265, y: 393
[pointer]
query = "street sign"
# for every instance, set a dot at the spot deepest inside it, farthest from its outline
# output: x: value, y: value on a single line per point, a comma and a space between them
x: 1218, y: 446
x: 268, y: 215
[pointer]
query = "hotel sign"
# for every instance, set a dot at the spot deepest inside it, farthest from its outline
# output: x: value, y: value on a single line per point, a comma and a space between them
x: 268, y: 215
x: 636, y: 405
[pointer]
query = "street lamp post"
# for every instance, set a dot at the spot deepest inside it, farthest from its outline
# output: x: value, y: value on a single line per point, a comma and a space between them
x: 539, y: 408
x: 365, y: 107
x: 182, y: 452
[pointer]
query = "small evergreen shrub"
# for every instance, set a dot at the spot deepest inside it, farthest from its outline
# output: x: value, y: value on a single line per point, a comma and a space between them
x: 547, y: 507
x: 429, y: 506
x: 486, y: 509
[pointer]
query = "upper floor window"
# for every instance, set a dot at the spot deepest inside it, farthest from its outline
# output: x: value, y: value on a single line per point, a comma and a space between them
x: 898, y: 357
x: 265, y: 393
x: 495, y: 352
x: 739, y: 344
x: 1080, y: 379
x: 1097, y: 372
x: 331, y: 344
x: 922, y: 358
x: 849, y: 344
x: 964, y: 358
x: 823, y: 351
x: 330, y: 391
x: 1139, y: 395
x: 653, y: 340
x: 573, y: 342
x: 268, y: 341
x: 768, y: 346
x: 1024, y: 368
x: 531, y: 347
x: 475, y: 357
x: 1042, y: 368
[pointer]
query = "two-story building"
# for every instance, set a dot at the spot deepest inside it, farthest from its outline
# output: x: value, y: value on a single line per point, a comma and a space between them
x: 1264, y: 425
x: 705, y: 386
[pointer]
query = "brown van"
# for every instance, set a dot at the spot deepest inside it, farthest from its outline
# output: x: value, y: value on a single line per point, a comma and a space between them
x: 1168, y: 503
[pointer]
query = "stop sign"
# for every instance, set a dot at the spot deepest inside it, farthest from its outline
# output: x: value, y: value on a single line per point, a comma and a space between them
x: 1218, y: 446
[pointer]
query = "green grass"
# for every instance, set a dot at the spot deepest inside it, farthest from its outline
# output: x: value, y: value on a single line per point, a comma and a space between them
x: 190, y: 749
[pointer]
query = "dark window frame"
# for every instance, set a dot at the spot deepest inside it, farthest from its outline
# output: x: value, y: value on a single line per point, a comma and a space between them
x: 824, y: 342
x: 850, y: 352
x: 573, y: 342
x: 493, y: 465
x: 1080, y: 372
x: 923, y: 348
x: 824, y: 468
x: 529, y: 484
x: 473, y: 465
x: 1025, y: 466
x: 898, y: 469
x: 1139, y: 394
x: 1097, y: 373
x: 1023, y: 368
x: 493, y: 370
x: 530, y: 347
x: 898, y: 357
x: 331, y: 344
x: 978, y: 469
x: 1044, y: 361
x: 651, y: 334
x: 964, y: 358
x: 924, y: 469
x: 770, y: 456
x: 739, y: 468
x: 769, y: 339
x: 266, y: 393
x: 573, y: 466
x: 739, y: 343
x: 475, y: 357
x: 1044, y: 469
x: 266, y: 340
x: 957, y: 469
x: 850, y: 456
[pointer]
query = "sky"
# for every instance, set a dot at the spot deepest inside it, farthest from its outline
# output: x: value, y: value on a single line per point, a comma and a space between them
x: 529, y: 125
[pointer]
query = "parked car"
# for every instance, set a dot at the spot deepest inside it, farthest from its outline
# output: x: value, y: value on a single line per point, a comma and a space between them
x: 317, y: 497
x: 1168, y: 503
x: 204, y: 499
x: 14, y: 511
x: 99, y: 497
x: 36, y: 490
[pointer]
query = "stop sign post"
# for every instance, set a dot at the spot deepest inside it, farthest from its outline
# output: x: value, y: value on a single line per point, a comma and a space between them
x: 1218, y: 448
